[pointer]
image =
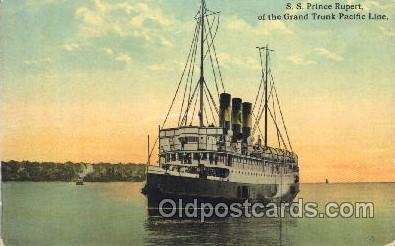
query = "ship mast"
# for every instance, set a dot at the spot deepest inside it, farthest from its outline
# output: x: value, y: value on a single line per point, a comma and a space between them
x: 267, y: 50
x: 201, y: 80
x: 266, y: 104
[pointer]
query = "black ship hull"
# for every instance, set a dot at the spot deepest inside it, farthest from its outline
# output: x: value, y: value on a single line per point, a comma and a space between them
x: 183, y: 190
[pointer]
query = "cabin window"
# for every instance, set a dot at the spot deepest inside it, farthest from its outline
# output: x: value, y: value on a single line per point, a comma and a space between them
x: 196, y: 156
x: 184, y: 140
x: 188, y: 158
x: 229, y: 160
x: 180, y: 157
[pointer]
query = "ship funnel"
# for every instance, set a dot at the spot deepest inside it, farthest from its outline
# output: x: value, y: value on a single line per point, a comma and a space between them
x: 247, y: 120
x: 236, y: 118
x: 225, y: 111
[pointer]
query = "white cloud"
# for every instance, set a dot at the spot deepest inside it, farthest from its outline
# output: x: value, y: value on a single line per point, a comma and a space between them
x: 263, y: 28
x: 38, y: 61
x: 166, y: 42
x: 157, y: 67
x: 71, y: 46
x: 118, y: 56
x: 235, y: 23
x: 308, y: 58
x: 380, y: 6
x: 228, y: 61
x: 41, y: 3
x: 223, y: 58
x: 387, y: 32
x: 123, y: 57
x: 328, y: 54
x: 124, y: 19
x: 108, y: 51
x: 298, y: 60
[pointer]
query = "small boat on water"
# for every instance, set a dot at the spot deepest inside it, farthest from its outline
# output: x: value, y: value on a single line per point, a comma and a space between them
x: 80, y: 181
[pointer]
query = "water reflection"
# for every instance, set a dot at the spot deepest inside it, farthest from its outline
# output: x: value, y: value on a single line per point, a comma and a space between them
x: 219, y: 231
x: 43, y: 213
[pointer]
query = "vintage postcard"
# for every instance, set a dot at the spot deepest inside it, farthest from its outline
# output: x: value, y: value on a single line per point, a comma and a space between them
x: 197, y: 122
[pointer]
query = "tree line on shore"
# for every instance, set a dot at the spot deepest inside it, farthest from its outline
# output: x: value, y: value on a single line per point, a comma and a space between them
x: 69, y: 171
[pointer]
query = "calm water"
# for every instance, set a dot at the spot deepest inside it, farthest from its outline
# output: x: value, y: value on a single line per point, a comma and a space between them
x: 115, y: 214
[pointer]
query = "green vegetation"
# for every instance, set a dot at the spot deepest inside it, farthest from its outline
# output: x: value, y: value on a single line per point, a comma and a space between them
x: 50, y: 171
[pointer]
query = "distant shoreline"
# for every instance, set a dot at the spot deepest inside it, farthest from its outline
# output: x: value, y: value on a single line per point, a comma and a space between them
x: 70, y: 172
x: 93, y: 172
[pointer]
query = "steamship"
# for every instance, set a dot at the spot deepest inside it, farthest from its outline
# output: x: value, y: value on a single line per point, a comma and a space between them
x: 230, y: 161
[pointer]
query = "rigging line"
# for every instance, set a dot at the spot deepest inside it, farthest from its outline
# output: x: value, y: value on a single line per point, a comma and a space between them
x: 282, y: 139
x: 216, y: 58
x: 212, y: 98
x: 282, y: 117
x: 211, y: 12
x: 261, y: 110
x: 275, y: 119
x: 186, y: 88
x: 215, y: 76
x: 219, y: 70
x: 259, y: 128
x: 193, y: 68
x: 182, y: 104
x: 205, y: 112
x: 178, y: 87
x: 175, y: 95
x: 211, y: 59
x: 194, y: 107
x: 262, y: 97
x: 184, y: 120
x: 214, y: 73
x: 209, y: 104
x: 275, y: 114
x: 185, y: 117
x: 260, y: 84
x: 206, y: 36
x: 193, y: 59
x: 190, y: 97
x: 215, y: 34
